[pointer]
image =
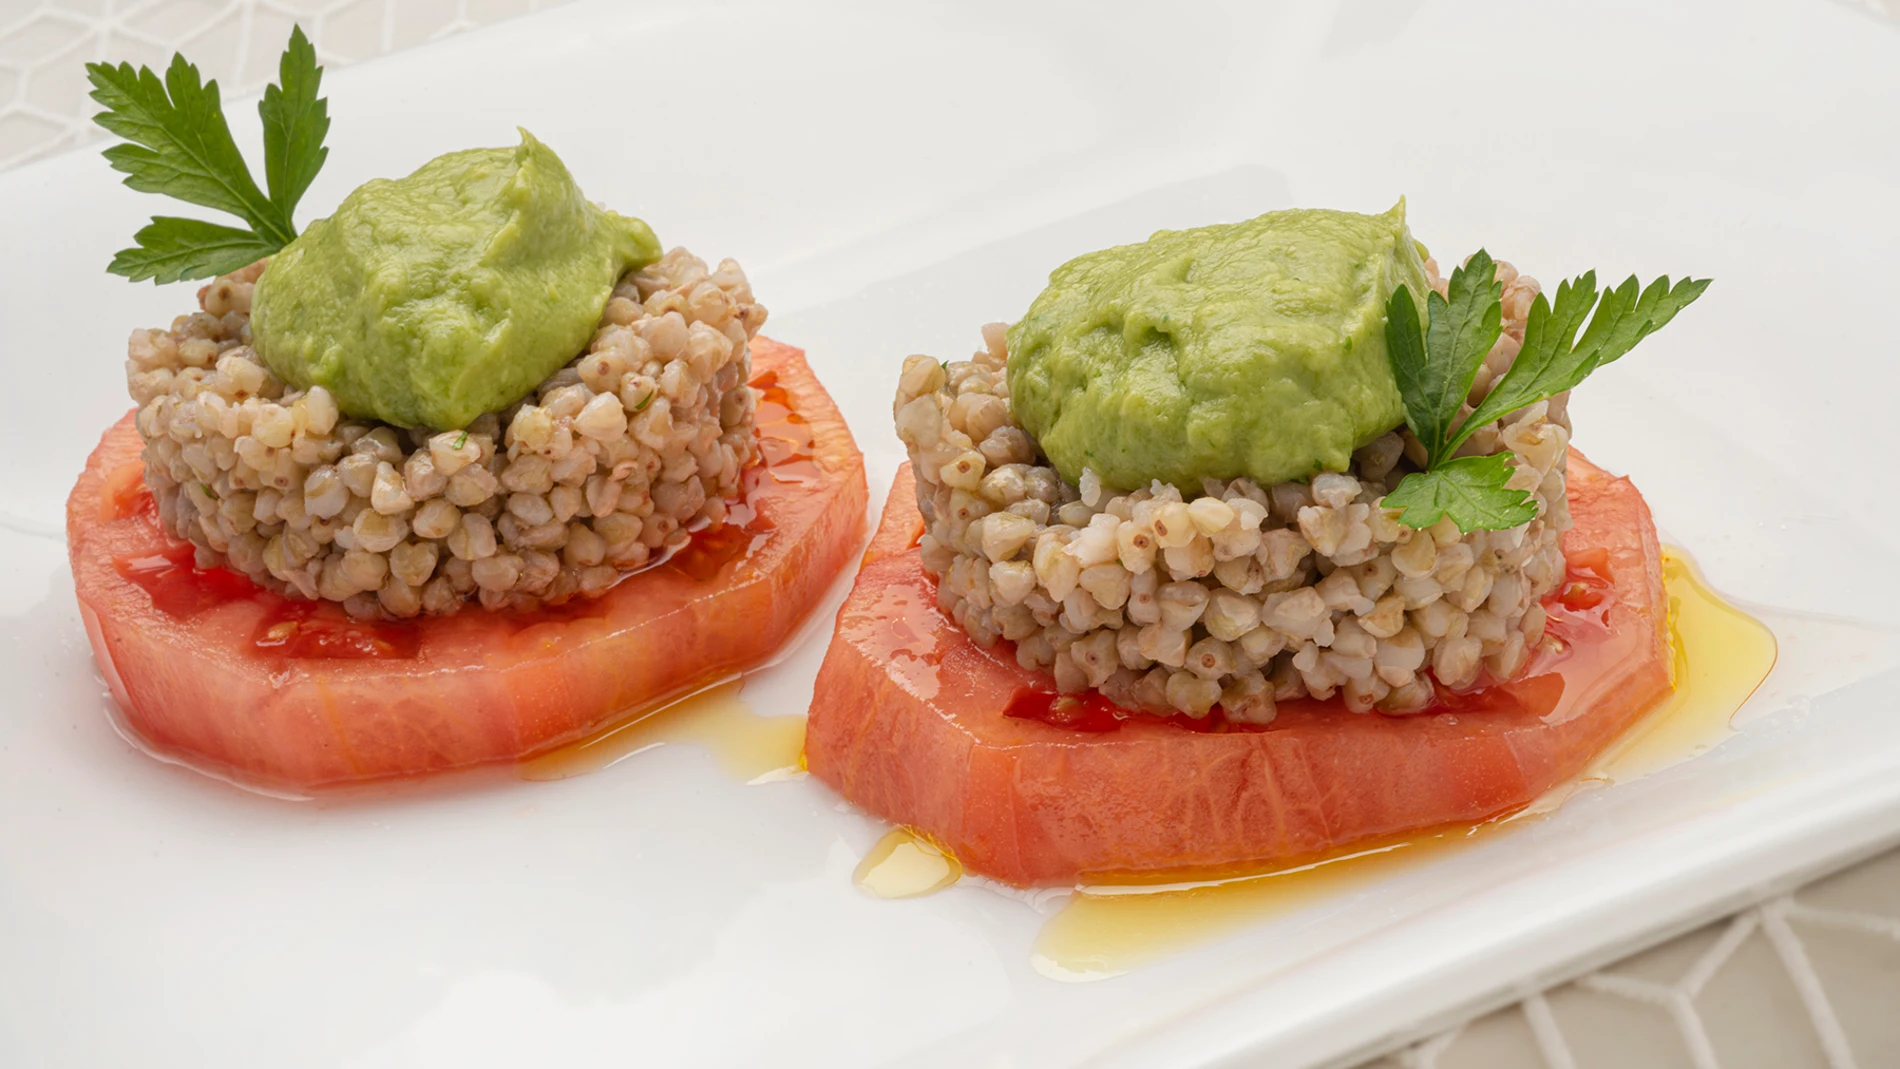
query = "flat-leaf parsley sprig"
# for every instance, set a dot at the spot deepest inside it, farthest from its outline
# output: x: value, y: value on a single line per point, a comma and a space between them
x: 1436, y: 367
x: 178, y: 144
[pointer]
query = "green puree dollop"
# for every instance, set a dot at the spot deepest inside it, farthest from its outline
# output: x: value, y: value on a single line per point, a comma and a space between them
x: 428, y: 300
x: 1245, y: 349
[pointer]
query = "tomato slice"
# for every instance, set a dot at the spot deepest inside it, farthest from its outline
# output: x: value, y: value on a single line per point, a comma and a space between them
x: 916, y: 723
x: 212, y: 669
x: 901, y: 525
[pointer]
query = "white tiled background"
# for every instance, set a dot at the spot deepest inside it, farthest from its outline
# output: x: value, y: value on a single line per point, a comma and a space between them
x: 1809, y: 979
x: 45, y: 45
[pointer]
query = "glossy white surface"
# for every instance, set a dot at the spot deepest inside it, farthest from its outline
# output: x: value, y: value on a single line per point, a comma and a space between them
x: 893, y: 177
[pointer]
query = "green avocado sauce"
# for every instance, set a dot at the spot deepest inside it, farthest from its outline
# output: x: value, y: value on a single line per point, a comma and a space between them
x: 428, y: 300
x: 1250, y: 349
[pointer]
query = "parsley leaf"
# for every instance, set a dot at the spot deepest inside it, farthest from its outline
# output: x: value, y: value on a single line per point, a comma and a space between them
x: 178, y: 143
x: 1554, y: 359
x: 171, y: 249
x: 1470, y: 490
x: 1435, y: 367
x: 295, y: 122
x: 1435, y: 376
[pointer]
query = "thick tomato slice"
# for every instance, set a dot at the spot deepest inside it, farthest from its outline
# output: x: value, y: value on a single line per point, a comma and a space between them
x: 210, y: 668
x: 912, y: 721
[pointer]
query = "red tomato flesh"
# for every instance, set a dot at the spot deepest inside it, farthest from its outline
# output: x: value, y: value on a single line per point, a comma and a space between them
x: 210, y: 668
x: 919, y: 725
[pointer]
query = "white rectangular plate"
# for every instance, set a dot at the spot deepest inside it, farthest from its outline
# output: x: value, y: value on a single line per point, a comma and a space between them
x: 894, y: 176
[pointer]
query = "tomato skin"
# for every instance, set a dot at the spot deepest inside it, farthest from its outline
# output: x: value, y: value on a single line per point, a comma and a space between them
x: 910, y: 720
x: 477, y: 686
x: 899, y: 528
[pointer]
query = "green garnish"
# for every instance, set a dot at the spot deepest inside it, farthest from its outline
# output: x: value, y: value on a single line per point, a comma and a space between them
x: 1435, y: 370
x: 460, y: 440
x: 1470, y: 490
x: 645, y: 401
x: 180, y: 145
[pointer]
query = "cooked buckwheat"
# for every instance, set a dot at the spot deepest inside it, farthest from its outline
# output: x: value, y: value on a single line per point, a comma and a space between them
x: 612, y: 460
x: 1233, y: 594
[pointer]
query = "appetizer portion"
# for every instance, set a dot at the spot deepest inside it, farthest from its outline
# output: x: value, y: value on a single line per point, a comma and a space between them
x: 914, y: 721
x: 611, y: 459
x: 1211, y: 497
x: 463, y: 471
